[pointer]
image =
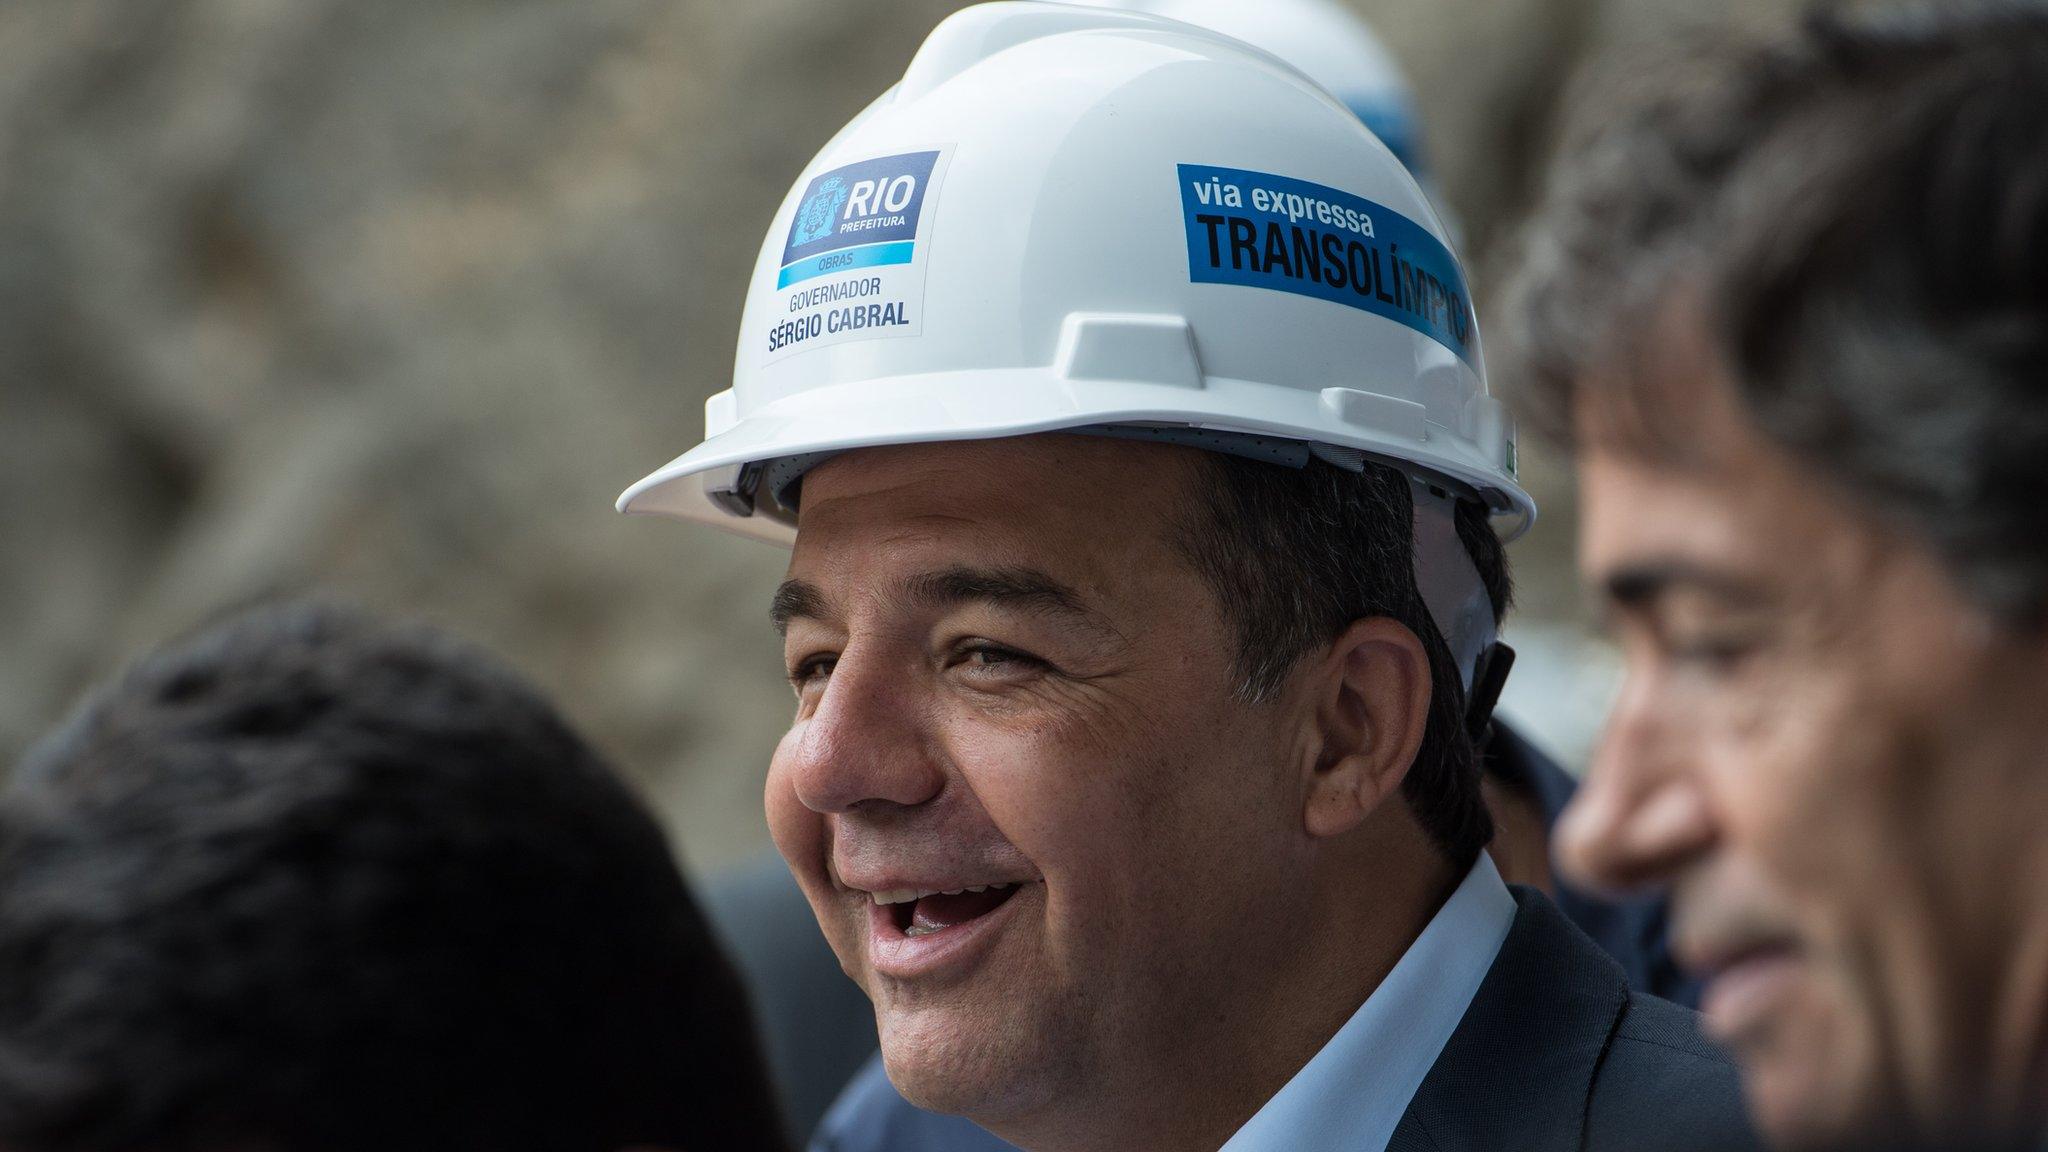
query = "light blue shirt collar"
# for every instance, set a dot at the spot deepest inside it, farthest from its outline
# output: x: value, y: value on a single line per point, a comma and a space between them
x: 1353, y: 1093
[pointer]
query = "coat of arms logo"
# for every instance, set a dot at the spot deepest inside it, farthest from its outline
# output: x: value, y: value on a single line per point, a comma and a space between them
x: 815, y: 215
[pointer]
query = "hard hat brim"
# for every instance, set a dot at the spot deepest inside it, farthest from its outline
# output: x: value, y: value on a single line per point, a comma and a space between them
x: 984, y: 404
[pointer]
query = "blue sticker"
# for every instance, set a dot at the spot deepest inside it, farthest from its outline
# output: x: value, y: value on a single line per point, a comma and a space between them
x: 1264, y: 231
x: 861, y: 215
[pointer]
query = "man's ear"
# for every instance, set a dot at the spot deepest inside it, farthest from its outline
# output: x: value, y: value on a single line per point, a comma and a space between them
x: 1371, y: 711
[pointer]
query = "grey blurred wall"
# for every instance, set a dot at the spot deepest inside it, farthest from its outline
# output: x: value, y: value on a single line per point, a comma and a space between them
x: 391, y: 298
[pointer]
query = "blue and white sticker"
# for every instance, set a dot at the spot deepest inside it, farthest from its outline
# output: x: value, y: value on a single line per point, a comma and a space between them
x: 1261, y: 230
x: 853, y: 263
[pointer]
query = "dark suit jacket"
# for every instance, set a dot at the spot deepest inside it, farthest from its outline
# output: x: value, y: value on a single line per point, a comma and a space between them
x: 1555, y: 1054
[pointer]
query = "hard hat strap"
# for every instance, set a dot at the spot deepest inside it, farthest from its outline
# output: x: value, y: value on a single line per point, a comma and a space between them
x: 1449, y: 581
x: 1490, y: 677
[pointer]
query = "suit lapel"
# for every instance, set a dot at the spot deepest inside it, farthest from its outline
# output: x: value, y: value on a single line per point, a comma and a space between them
x: 1518, y: 1072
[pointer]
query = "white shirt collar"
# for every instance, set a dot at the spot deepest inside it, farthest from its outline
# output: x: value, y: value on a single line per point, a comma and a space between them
x: 1353, y: 1093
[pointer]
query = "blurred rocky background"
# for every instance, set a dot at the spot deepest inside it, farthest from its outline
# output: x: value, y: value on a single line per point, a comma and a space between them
x: 391, y: 299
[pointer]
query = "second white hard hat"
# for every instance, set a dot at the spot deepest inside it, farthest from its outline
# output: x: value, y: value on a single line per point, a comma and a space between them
x: 1331, y: 44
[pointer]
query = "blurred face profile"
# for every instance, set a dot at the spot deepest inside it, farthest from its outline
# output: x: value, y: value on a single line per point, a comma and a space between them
x: 1035, y: 821
x: 1829, y: 757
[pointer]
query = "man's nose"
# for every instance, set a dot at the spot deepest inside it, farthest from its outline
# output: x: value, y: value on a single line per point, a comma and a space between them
x: 867, y: 744
x: 1641, y: 812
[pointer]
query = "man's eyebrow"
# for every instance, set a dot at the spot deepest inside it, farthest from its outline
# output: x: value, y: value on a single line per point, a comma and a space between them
x: 795, y: 599
x: 1638, y: 584
x: 1020, y: 589
x: 1023, y: 589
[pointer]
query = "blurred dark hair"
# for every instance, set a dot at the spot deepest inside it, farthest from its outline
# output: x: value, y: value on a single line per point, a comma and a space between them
x: 313, y: 882
x: 1857, y: 218
x: 1296, y: 555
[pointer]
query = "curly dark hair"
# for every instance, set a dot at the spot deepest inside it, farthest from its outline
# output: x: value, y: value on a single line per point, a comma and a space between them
x: 313, y: 882
x: 1857, y: 219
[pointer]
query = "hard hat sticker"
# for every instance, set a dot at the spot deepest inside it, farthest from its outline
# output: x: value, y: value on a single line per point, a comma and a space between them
x: 868, y: 211
x: 1260, y: 230
x: 858, y: 229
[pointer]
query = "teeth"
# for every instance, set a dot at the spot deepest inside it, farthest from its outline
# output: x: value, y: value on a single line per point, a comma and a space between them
x: 906, y: 895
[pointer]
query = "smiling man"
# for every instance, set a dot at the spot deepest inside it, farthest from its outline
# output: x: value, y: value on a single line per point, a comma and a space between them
x: 1791, y: 305
x: 1128, y: 421
x: 1035, y: 691
x: 1089, y: 875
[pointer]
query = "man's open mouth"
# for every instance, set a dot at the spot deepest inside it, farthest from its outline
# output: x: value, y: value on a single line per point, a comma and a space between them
x: 920, y: 913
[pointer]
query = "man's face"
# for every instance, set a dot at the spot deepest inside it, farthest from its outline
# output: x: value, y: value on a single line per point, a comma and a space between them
x: 1825, y: 753
x: 1012, y: 686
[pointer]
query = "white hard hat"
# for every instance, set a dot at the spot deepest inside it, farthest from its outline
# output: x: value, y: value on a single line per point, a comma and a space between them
x: 1075, y: 219
x: 1331, y: 44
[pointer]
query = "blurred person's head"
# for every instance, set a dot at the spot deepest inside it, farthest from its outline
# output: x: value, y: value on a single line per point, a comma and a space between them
x: 308, y: 881
x: 1790, y: 306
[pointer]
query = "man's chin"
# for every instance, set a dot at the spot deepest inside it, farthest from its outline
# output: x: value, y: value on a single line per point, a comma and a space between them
x: 963, y: 1067
x: 1794, y: 1119
x: 1811, y: 1091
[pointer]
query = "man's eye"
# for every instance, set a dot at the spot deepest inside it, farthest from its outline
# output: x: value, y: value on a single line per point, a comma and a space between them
x: 812, y: 669
x: 1713, y: 653
x: 995, y: 658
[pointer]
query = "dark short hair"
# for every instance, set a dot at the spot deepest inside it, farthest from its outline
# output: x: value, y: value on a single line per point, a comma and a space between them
x: 1857, y: 218
x: 313, y: 882
x: 1295, y: 555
